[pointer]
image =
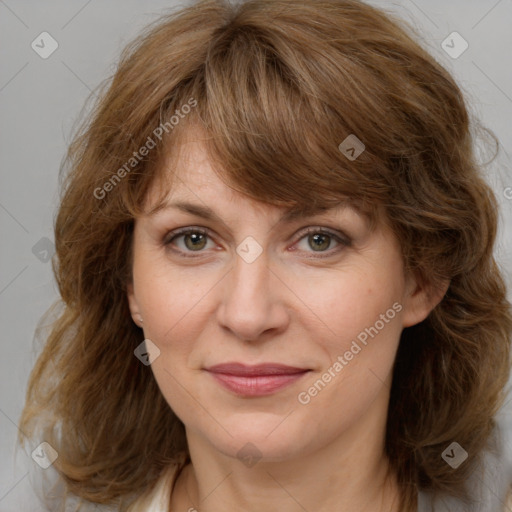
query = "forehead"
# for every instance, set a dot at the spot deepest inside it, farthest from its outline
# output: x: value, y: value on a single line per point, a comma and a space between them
x: 199, y: 190
x: 188, y: 174
x: 194, y: 168
x: 189, y: 178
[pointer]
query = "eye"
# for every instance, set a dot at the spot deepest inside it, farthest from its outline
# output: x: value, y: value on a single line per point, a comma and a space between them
x: 320, y: 239
x: 196, y: 239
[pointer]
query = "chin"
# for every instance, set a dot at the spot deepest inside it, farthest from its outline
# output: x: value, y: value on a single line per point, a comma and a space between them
x: 259, y: 436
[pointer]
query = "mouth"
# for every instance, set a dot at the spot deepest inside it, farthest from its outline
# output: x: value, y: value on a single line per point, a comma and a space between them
x: 257, y: 380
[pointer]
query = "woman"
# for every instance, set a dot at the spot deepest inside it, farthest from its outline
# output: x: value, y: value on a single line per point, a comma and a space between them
x: 275, y: 255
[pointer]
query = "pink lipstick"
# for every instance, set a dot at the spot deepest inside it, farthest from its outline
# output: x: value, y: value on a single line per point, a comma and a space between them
x: 257, y: 380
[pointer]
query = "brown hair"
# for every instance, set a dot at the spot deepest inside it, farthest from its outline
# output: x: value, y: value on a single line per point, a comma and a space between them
x: 277, y: 86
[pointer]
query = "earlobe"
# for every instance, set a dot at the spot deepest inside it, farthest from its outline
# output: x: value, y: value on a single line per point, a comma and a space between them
x: 132, y: 304
x: 421, y: 300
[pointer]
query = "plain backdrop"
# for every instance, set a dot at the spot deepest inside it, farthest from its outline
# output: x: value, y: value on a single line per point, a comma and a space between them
x: 41, y: 99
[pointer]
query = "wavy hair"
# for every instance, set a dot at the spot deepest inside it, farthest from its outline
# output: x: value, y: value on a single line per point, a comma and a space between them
x: 278, y: 85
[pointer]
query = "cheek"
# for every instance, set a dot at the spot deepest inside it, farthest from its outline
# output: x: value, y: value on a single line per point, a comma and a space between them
x: 360, y: 313
x: 168, y: 296
x: 357, y: 365
x: 347, y: 302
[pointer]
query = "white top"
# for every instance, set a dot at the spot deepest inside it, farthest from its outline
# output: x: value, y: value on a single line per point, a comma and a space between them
x: 160, y: 498
x: 490, y: 485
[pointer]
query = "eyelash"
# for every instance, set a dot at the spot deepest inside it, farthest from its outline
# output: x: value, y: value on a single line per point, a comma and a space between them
x: 344, y: 241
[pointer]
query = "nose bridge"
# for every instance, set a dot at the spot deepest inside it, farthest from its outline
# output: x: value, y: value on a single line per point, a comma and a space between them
x: 250, y: 278
x: 249, y: 306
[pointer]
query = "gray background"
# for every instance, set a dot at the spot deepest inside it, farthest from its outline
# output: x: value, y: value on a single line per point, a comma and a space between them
x: 40, y: 100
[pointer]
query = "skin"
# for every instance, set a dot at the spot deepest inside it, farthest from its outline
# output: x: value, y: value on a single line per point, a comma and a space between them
x: 289, y: 306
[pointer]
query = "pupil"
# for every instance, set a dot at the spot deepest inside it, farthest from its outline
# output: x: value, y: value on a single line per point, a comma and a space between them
x: 195, y: 237
x: 318, y: 239
x: 317, y: 236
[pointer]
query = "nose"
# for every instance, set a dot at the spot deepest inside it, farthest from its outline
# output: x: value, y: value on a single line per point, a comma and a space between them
x: 253, y: 300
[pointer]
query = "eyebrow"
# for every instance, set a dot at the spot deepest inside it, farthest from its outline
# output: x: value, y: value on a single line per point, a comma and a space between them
x: 291, y: 214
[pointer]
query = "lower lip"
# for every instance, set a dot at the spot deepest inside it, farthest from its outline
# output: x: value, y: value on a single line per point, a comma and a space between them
x: 258, y: 385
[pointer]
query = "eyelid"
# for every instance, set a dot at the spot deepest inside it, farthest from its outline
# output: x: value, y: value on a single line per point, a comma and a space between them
x: 342, y: 239
x: 183, y: 231
x: 339, y: 235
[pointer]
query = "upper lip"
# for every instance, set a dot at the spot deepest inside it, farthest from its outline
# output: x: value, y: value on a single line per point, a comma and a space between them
x: 255, y: 370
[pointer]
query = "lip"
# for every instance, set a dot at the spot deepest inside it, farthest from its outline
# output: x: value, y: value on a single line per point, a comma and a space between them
x: 255, y: 380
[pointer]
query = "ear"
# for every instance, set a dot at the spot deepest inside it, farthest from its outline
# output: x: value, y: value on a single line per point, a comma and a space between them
x: 420, y: 299
x: 132, y: 304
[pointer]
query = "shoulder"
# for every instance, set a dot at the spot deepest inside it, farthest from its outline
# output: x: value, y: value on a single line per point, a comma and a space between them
x: 158, y: 498
x: 508, y: 500
x: 504, y: 427
x: 490, y: 485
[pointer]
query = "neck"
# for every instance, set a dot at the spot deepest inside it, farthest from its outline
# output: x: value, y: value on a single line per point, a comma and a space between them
x: 349, y: 473
x: 276, y: 488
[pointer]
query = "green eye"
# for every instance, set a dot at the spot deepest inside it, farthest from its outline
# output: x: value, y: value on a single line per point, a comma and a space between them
x: 319, y: 240
x: 195, y: 240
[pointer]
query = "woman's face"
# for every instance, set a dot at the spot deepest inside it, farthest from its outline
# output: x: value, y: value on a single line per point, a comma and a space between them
x: 320, y: 314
